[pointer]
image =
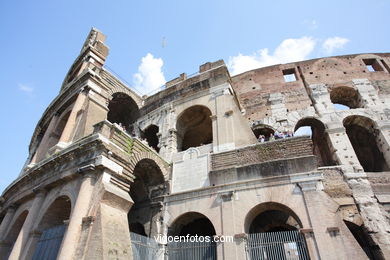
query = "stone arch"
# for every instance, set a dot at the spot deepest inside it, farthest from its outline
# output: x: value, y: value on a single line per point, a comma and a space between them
x: 271, y: 216
x: 59, y: 128
x: 193, y: 223
x: 190, y: 122
x: 146, y: 192
x: 345, y: 95
x: 15, y: 229
x: 137, y: 99
x: 321, y: 142
x: 364, y: 137
x: 123, y: 110
x: 164, y: 167
x: 52, y: 226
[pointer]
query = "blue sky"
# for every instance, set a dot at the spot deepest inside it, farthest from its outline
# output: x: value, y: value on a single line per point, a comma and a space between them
x: 154, y: 41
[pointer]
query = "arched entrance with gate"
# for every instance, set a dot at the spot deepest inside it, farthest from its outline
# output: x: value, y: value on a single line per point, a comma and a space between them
x: 274, y: 233
x: 196, y: 234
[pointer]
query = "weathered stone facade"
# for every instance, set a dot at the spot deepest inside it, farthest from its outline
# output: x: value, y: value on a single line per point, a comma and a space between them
x: 104, y: 161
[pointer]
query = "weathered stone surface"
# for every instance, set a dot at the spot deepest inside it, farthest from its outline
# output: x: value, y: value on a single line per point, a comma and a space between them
x: 107, y: 161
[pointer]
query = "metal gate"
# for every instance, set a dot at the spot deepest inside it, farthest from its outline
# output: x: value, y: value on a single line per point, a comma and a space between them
x: 284, y: 245
x: 145, y: 248
x: 192, y: 250
x: 49, y: 243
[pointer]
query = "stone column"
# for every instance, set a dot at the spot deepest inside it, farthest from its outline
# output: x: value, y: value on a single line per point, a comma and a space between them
x: 33, y: 239
x: 70, y: 124
x: 80, y: 210
x: 21, y: 241
x: 342, y: 147
x: 110, y: 234
x: 318, y: 221
x: 383, y: 140
x: 229, y: 250
x: 6, y: 221
x: 310, y: 242
x: 4, y: 244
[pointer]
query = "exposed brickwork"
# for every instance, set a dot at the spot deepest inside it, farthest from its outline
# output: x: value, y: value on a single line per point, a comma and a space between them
x: 263, y: 152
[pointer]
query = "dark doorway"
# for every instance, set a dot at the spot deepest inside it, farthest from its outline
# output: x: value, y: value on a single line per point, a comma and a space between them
x: 122, y: 110
x: 194, y: 128
x: 150, y: 134
x: 363, y: 136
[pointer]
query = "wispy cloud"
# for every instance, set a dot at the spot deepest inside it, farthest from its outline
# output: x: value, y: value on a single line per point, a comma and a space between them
x: 289, y: 50
x: 149, y: 75
x: 26, y: 89
x: 311, y: 24
x: 333, y: 43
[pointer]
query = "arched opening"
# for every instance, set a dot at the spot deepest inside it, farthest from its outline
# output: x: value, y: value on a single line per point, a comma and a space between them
x: 150, y: 134
x: 56, y: 134
x: 263, y: 130
x: 53, y: 226
x: 194, y: 128
x: 196, y: 232
x: 123, y: 110
x: 274, y: 233
x: 345, y: 98
x: 321, y: 142
x: 192, y: 223
x: 368, y: 245
x: 364, y: 139
x: 146, y: 192
x: 271, y: 217
x: 13, y: 233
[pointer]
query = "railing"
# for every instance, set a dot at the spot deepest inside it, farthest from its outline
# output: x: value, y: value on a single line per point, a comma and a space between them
x: 284, y: 245
x: 145, y: 248
x: 49, y: 243
x: 192, y: 250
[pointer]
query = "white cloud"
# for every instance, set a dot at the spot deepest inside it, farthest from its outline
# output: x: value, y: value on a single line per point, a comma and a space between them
x: 149, y: 76
x: 333, y: 43
x: 26, y: 89
x: 290, y: 50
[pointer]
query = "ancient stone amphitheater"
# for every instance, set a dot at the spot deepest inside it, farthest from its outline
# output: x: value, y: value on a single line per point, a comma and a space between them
x: 109, y: 170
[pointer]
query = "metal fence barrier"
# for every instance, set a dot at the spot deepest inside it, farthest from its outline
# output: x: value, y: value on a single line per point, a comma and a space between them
x: 49, y: 243
x: 145, y: 248
x: 192, y: 250
x: 284, y: 245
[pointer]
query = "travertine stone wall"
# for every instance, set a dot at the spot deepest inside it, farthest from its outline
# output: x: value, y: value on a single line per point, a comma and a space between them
x: 77, y: 155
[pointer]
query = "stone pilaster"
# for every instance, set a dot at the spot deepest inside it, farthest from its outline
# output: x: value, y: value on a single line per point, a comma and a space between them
x: 80, y: 210
x: 20, y: 244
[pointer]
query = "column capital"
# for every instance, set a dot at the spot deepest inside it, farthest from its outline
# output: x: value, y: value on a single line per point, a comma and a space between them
x: 39, y: 191
x: 87, y: 170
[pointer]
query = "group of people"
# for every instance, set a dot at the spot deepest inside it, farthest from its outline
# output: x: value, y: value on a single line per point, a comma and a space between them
x: 276, y: 135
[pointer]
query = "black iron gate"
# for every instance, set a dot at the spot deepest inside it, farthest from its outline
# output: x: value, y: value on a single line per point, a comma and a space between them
x: 49, y: 243
x: 192, y: 250
x: 284, y: 245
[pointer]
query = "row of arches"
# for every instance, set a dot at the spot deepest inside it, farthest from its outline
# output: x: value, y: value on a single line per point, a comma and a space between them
x: 361, y: 131
x: 268, y: 217
x: 193, y: 125
x: 50, y: 230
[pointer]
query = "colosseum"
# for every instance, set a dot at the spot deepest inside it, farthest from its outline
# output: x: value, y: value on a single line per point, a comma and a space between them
x: 212, y: 156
